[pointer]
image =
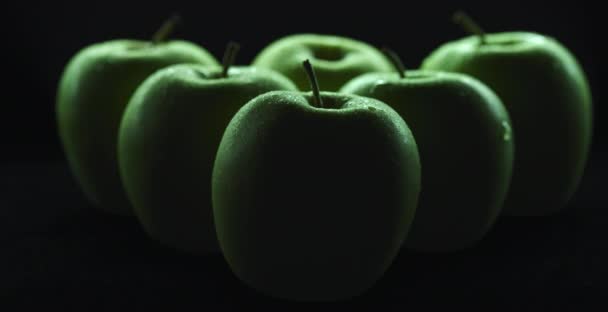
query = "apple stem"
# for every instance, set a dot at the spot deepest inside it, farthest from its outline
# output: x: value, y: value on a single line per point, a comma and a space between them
x: 396, y: 60
x: 469, y: 25
x: 166, y: 29
x: 229, y: 56
x: 314, y: 84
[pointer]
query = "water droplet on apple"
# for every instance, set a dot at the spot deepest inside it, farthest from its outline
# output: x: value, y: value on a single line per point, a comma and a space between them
x: 506, y: 135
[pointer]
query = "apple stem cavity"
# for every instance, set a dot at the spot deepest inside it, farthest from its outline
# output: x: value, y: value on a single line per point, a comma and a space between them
x: 396, y: 60
x: 469, y: 25
x: 166, y: 29
x: 229, y: 56
x: 314, y: 84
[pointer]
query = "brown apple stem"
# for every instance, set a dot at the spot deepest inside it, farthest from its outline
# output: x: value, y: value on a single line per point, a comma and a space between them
x: 314, y: 84
x: 469, y: 25
x: 166, y: 29
x: 229, y: 56
x: 396, y: 60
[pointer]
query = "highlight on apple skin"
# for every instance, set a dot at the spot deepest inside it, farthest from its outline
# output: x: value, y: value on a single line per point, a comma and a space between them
x: 548, y: 98
x: 168, y: 140
x: 466, y: 150
x: 337, y: 59
x: 92, y: 94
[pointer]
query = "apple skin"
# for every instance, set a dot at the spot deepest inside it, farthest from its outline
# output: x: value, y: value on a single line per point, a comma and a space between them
x: 336, y: 59
x: 547, y: 95
x: 167, y: 144
x: 312, y: 204
x: 463, y: 134
x: 93, y: 92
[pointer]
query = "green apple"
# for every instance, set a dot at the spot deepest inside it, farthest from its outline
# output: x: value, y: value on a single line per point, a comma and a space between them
x: 93, y: 92
x: 463, y: 133
x: 313, y: 195
x: 337, y: 59
x: 168, y: 140
x: 547, y: 95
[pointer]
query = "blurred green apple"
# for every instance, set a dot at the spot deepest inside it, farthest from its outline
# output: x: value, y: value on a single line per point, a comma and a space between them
x: 168, y: 140
x: 547, y: 95
x: 93, y: 92
x: 463, y: 133
x: 336, y: 59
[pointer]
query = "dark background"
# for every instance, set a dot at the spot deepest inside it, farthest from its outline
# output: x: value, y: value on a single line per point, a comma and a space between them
x: 60, y: 251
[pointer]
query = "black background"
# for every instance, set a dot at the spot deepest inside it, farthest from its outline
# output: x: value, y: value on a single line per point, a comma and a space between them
x: 60, y: 251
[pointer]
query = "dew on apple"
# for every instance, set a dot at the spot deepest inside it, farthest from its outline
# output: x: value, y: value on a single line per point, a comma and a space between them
x: 506, y: 136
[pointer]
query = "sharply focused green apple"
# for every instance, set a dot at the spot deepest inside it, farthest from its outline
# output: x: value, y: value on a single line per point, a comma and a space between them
x: 337, y: 59
x: 466, y: 151
x: 168, y: 140
x: 93, y: 92
x: 314, y: 194
x: 546, y: 93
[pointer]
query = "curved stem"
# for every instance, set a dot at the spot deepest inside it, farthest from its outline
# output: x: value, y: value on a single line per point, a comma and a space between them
x: 396, y: 60
x: 166, y: 29
x: 314, y: 84
x: 469, y: 25
x: 229, y: 56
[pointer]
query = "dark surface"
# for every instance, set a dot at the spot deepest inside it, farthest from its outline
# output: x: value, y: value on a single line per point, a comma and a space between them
x: 58, y: 251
